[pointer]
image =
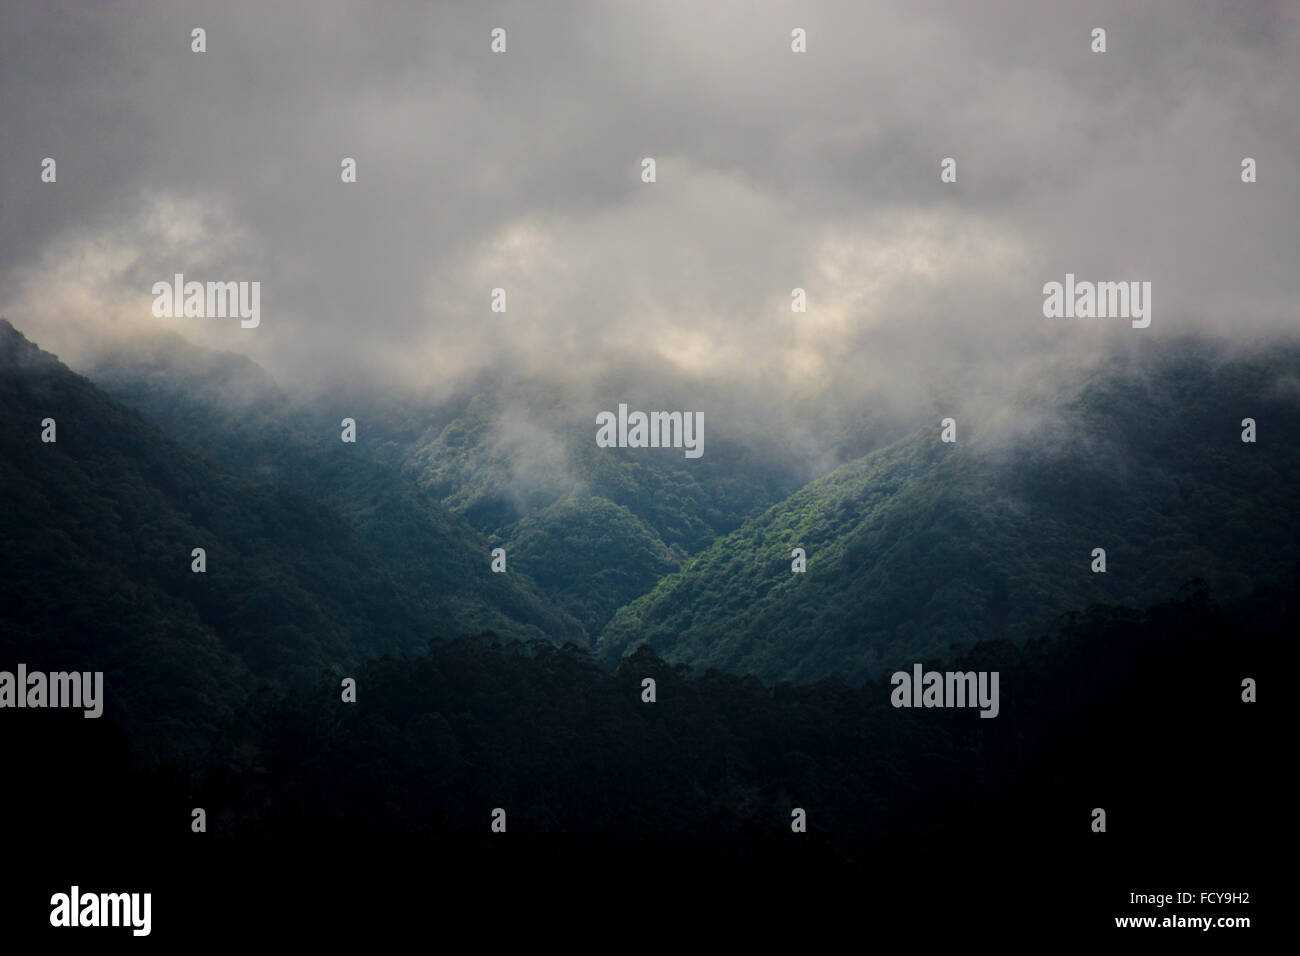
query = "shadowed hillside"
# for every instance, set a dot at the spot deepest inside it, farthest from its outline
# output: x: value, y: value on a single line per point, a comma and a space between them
x: 95, y: 559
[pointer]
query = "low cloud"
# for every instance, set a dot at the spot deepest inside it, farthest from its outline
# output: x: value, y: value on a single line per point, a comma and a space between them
x: 775, y: 170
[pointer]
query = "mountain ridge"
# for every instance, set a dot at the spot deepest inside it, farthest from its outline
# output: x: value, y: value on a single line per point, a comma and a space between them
x: 96, y: 548
x: 924, y: 544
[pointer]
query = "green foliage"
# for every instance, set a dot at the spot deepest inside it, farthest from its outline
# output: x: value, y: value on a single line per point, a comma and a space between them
x: 593, y: 528
x: 590, y: 556
x: 494, y: 465
x: 95, y: 553
x: 223, y: 406
x: 922, y: 544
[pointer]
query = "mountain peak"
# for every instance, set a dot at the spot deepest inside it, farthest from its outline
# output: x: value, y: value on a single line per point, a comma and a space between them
x: 17, y: 350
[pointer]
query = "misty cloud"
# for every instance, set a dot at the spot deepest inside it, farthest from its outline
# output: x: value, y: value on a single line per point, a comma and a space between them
x: 775, y: 171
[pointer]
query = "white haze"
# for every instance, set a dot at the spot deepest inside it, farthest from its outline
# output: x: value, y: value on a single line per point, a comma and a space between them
x: 775, y: 170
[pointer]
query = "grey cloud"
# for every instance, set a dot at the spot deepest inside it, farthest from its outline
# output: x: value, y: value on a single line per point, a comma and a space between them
x: 775, y: 171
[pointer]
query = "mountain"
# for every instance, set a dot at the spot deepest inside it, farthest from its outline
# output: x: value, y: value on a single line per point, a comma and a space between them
x: 924, y: 544
x: 96, y: 542
x: 981, y: 535
x: 594, y: 528
x: 509, y: 454
x: 590, y: 556
x: 911, y: 548
x: 230, y: 411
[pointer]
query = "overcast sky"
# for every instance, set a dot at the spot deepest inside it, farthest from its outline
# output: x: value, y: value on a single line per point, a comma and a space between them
x: 775, y: 170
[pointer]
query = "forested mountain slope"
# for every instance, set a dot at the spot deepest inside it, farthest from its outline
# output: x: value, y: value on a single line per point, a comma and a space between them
x: 230, y: 411
x: 593, y: 527
x: 926, y: 543
x: 96, y: 541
